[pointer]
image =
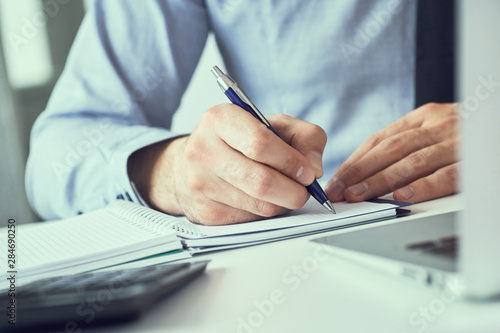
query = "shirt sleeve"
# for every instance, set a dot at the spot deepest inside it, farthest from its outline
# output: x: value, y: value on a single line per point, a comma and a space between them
x: 125, y: 75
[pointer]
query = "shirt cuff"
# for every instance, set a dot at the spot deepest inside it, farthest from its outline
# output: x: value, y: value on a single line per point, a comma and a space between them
x: 120, y: 186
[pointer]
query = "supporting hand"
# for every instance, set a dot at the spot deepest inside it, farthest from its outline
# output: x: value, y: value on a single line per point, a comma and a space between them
x: 416, y: 157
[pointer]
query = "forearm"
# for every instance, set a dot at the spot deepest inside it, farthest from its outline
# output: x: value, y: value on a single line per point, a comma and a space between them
x: 78, y: 164
x: 111, y: 101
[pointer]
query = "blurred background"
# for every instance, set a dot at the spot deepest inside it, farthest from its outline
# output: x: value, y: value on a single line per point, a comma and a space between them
x: 35, y: 38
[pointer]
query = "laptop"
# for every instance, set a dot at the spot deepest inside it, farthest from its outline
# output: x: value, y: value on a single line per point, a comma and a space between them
x: 459, y: 247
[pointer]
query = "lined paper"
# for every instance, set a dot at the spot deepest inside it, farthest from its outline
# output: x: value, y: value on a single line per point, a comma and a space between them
x: 311, y: 213
x: 81, y: 239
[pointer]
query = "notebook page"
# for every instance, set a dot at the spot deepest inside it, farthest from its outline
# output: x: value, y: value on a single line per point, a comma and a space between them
x: 269, y: 235
x: 312, y: 212
x: 81, y: 238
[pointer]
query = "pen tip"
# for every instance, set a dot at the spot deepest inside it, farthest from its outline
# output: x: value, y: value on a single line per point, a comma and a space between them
x: 328, y: 205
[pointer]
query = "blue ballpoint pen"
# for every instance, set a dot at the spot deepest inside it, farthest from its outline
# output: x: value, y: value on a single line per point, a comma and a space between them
x: 238, y: 97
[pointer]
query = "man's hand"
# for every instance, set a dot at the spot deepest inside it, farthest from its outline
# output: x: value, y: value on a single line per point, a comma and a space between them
x: 232, y: 168
x: 416, y: 157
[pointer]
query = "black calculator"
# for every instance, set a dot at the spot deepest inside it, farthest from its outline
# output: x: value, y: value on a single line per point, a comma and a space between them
x: 73, y: 302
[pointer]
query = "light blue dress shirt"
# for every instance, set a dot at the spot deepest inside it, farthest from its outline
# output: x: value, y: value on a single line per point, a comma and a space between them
x: 344, y: 65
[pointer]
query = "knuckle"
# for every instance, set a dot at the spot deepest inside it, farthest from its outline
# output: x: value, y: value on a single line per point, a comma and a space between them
x: 196, y: 150
x: 320, y: 135
x: 315, y: 131
x: 290, y: 163
x: 393, y: 144
x: 208, y: 116
x: 429, y: 109
x: 392, y: 180
x: 264, y: 208
x: 440, y: 110
x: 354, y: 172
x: 262, y: 183
x: 281, y: 117
x: 455, y: 108
x: 418, y: 160
x: 192, y: 153
x: 209, y: 215
x: 444, y: 129
x: 423, y: 137
x: 374, y: 140
x: 402, y: 173
x: 262, y: 189
x: 195, y: 184
x: 451, y: 177
x: 212, y: 115
x: 256, y: 146
x: 192, y: 217
x: 426, y: 186
x: 451, y: 122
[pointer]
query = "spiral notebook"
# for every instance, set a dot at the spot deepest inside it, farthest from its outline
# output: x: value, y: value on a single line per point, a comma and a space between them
x: 115, y: 235
x: 124, y: 232
x: 311, y: 218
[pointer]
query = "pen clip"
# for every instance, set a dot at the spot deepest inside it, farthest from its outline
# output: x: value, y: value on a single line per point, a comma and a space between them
x: 226, y: 82
x: 247, y: 101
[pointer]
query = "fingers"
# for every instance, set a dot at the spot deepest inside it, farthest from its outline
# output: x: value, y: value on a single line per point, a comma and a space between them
x: 416, y: 165
x: 413, y: 147
x: 259, y: 181
x: 245, y: 134
x: 396, y: 160
x: 439, y: 184
x: 214, y: 213
x: 386, y: 153
x: 234, y: 169
x: 233, y: 207
x: 411, y: 121
x: 237, y: 190
x: 241, y: 201
x: 206, y: 198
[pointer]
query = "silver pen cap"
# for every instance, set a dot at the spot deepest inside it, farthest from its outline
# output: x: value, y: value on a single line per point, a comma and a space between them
x: 223, y: 80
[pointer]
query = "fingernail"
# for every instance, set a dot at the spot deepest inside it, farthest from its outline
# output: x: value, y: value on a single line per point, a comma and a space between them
x: 406, y: 192
x: 358, y: 189
x: 305, y: 175
x: 316, y: 160
x: 335, y: 187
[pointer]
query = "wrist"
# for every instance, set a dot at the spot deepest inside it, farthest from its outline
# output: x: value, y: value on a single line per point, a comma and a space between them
x: 151, y: 170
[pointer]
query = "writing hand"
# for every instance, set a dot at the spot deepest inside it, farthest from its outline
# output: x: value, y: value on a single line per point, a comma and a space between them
x: 232, y: 168
x: 416, y: 157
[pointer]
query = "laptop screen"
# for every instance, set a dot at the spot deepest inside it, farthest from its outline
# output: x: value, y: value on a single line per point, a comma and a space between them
x: 479, y: 91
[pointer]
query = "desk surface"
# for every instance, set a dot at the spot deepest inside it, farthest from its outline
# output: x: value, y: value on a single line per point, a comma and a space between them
x: 295, y: 286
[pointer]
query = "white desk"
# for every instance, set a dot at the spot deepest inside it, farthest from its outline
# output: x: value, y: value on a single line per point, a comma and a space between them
x: 327, y: 295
